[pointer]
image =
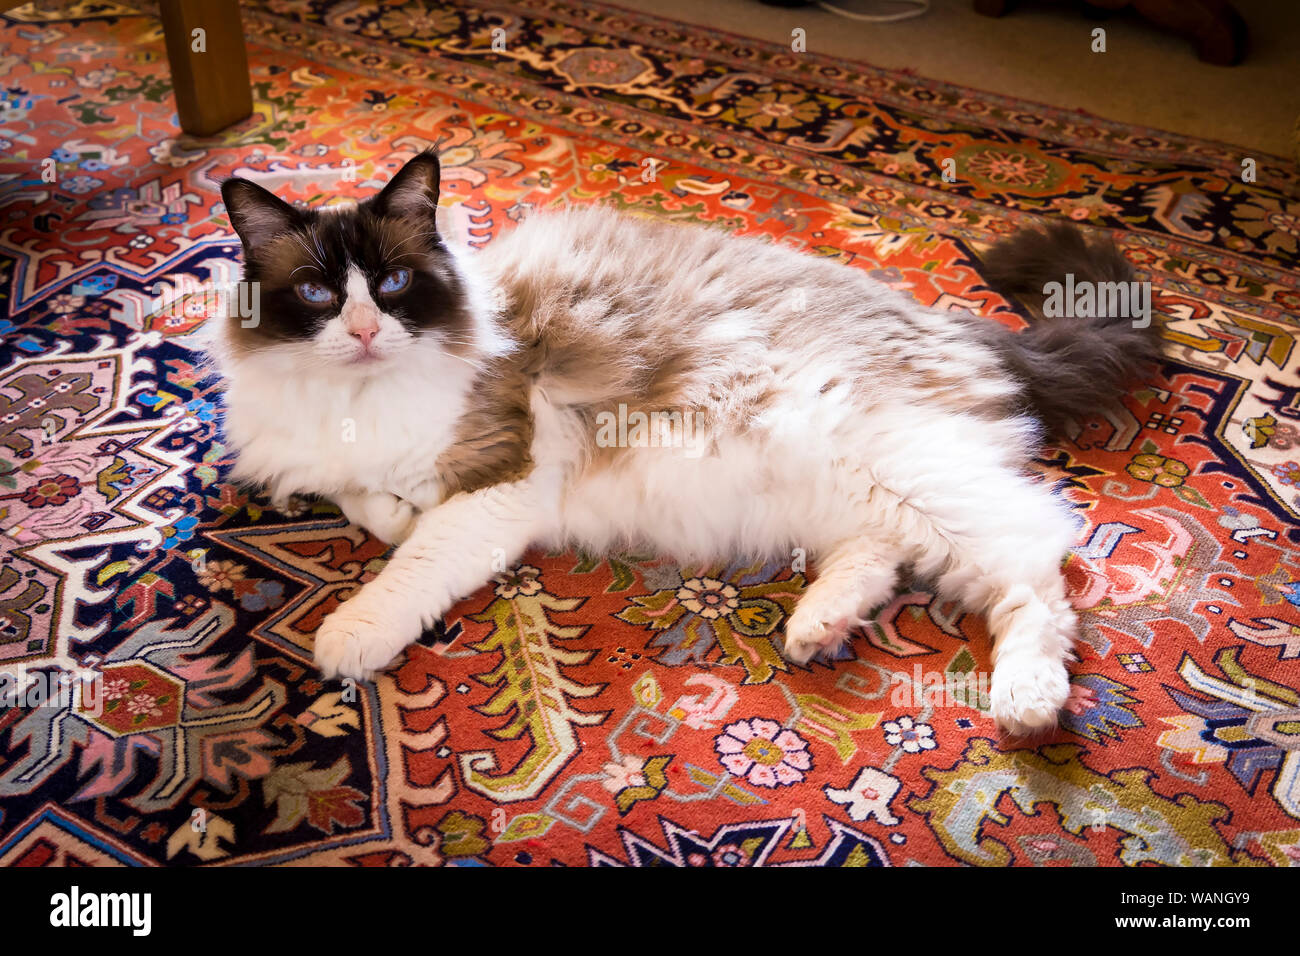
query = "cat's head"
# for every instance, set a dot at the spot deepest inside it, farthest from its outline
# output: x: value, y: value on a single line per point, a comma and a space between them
x: 356, y: 286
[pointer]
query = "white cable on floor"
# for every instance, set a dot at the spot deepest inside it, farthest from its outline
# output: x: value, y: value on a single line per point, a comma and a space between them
x: 920, y: 7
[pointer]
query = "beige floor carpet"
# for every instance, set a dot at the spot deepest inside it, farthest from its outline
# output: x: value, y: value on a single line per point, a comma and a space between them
x: 1042, y: 52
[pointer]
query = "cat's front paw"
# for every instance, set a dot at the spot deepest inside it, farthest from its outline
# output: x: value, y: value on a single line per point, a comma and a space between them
x: 392, y: 519
x: 388, y: 517
x: 358, y: 639
x: 1027, y: 693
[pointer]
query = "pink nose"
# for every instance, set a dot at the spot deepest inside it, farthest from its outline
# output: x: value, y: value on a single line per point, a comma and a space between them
x: 366, y: 335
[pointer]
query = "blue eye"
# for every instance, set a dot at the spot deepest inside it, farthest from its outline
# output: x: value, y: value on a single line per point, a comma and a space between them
x: 315, y: 293
x: 395, y: 281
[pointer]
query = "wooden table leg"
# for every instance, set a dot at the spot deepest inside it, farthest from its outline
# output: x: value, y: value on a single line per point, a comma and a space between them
x: 205, y: 46
x: 1215, y: 26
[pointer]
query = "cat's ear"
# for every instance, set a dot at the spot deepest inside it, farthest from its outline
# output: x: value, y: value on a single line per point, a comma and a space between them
x: 413, y: 192
x: 257, y: 214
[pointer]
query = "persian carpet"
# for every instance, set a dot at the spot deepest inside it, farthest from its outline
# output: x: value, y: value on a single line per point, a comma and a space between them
x: 618, y: 710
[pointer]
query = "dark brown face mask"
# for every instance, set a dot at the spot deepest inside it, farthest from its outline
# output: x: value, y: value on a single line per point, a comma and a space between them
x: 300, y: 259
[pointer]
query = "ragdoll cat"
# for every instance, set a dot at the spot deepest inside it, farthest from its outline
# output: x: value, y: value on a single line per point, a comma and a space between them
x: 460, y: 402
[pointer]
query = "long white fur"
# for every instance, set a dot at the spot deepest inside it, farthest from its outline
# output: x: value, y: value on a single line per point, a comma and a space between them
x: 846, y: 466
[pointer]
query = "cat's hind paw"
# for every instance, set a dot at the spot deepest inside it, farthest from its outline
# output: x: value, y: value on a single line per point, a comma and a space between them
x: 805, y: 636
x: 1027, y: 694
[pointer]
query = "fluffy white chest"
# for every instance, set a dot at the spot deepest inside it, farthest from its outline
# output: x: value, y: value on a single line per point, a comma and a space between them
x: 308, y: 435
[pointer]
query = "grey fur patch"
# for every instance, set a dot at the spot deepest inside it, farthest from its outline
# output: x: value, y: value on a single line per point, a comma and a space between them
x: 1069, y: 368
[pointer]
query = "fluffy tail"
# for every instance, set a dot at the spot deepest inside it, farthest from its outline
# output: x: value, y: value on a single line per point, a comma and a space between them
x: 1072, y: 362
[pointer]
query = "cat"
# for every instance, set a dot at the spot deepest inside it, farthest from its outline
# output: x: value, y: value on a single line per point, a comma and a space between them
x: 466, y: 404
